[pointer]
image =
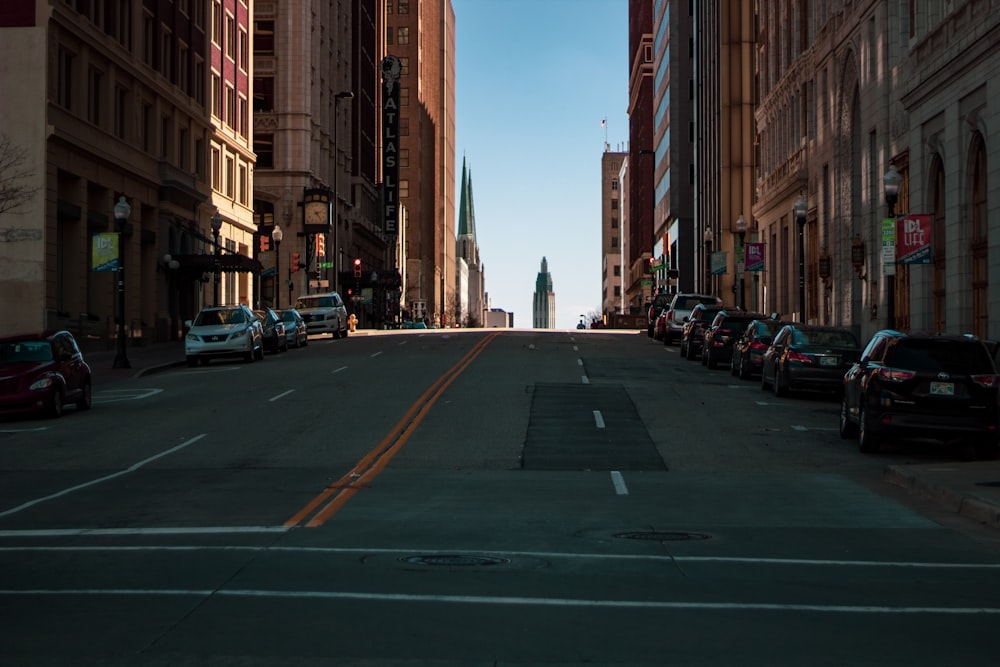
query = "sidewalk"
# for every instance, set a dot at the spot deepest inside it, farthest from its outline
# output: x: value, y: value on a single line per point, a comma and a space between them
x: 971, y: 489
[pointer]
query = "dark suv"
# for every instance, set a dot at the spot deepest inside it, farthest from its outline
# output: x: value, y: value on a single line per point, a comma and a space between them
x: 922, y: 385
x: 722, y: 333
x: 693, y: 333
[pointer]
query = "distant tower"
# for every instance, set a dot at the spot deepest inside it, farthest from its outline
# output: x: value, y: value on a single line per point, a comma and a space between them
x: 472, y: 297
x: 544, y: 305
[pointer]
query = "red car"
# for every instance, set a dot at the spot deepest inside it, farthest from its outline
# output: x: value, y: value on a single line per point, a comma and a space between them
x: 42, y: 373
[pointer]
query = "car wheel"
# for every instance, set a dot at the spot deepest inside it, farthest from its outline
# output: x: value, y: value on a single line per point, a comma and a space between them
x: 848, y: 429
x: 744, y: 372
x: 868, y: 442
x: 690, y: 352
x: 85, y: 396
x: 249, y: 356
x: 284, y: 346
x: 764, y: 384
x: 649, y: 331
x: 780, y: 389
x: 192, y: 362
x: 733, y: 368
x: 710, y: 361
x: 55, y: 408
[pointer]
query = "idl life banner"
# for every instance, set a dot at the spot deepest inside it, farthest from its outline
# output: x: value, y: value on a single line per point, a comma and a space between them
x: 913, y: 239
x: 104, y: 253
x: 754, y: 256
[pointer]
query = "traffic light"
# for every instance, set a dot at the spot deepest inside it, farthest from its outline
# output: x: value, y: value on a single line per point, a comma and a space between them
x: 296, y: 264
x: 357, y: 267
x: 320, y: 247
x: 265, y: 242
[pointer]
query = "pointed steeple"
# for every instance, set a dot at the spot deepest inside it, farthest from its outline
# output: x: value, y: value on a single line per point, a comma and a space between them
x: 466, y: 209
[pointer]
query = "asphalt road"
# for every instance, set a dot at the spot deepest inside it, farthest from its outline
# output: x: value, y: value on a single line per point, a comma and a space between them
x: 474, y: 498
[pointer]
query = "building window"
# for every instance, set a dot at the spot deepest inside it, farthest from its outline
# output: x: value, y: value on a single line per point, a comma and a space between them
x: 64, y: 96
x: 614, y: 241
x: 614, y: 223
x: 388, y: 6
x: 404, y: 157
x: 182, y: 148
x: 230, y: 177
x: 216, y: 95
x: 243, y: 122
x: 183, y: 68
x: 95, y: 91
x: 614, y: 183
x: 199, y: 13
x: 614, y: 204
x: 263, y: 145
x: 404, y: 65
x: 263, y: 93
x: 165, y: 137
x: 618, y: 269
x: 124, y: 33
x: 403, y: 7
x: 231, y: 36
x: 121, y: 102
x: 216, y: 168
x: 388, y: 35
x: 231, y: 106
x: 618, y: 290
x: 243, y: 184
x: 404, y: 96
x: 217, y: 23
x: 244, y: 51
x: 147, y: 127
x: 199, y: 81
x: 199, y: 158
x: 404, y: 188
x: 166, y: 51
x: 403, y: 35
x: 263, y: 38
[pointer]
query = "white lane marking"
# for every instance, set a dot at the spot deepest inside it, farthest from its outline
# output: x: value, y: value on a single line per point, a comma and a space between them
x: 586, y: 380
x: 576, y: 349
x: 402, y: 342
x: 579, y: 362
x: 281, y: 395
x: 24, y: 430
x: 741, y: 560
x: 598, y: 419
x: 342, y: 368
x: 619, y: 482
x: 132, y: 532
x: 796, y: 427
x: 117, y: 395
x: 500, y: 600
x: 92, y: 482
x: 375, y: 355
x: 221, y: 369
x: 762, y: 403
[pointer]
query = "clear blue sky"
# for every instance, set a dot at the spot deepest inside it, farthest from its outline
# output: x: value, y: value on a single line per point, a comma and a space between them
x: 534, y: 79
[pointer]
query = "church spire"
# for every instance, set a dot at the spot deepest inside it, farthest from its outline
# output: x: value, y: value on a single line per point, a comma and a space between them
x: 466, y: 209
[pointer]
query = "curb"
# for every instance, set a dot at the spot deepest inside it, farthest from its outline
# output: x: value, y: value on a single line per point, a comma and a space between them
x: 162, y: 367
x: 970, y: 506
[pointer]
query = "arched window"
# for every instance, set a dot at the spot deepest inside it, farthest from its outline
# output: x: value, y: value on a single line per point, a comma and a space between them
x: 980, y: 239
x: 938, y: 244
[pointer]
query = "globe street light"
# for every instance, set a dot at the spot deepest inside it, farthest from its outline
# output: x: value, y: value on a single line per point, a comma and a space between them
x: 741, y: 231
x: 276, y: 236
x: 216, y: 227
x: 122, y: 211
x: 801, y: 209
x: 891, y: 182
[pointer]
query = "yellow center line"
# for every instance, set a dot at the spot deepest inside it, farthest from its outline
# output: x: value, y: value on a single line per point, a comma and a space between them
x: 376, y: 460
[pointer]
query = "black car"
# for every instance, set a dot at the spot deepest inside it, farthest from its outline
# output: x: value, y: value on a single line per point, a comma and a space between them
x: 275, y: 338
x: 805, y: 356
x: 749, y: 348
x: 296, y: 331
x: 660, y: 303
x: 722, y: 333
x: 695, y: 325
x: 922, y: 385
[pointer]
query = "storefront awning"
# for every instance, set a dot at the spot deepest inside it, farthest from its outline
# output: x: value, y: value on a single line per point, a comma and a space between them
x: 228, y: 263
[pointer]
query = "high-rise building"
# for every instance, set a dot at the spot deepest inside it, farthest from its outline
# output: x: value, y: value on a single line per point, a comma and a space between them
x: 543, y: 306
x: 611, y: 230
x: 642, y: 158
x: 421, y: 33
x: 472, y: 297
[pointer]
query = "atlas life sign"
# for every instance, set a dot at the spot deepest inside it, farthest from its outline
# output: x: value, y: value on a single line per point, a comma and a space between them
x: 391, y: 68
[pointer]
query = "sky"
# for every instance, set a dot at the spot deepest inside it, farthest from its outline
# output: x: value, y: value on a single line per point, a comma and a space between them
x: 534, y: 80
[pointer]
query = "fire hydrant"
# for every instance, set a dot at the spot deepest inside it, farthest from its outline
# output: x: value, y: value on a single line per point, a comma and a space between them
x: 352, y: 322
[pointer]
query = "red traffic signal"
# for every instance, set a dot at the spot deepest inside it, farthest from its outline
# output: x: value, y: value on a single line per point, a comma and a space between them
x: 357, y: 267
x: 296, y: 264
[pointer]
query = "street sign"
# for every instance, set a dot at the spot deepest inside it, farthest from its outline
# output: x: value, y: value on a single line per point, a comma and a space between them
x: 326, y: 265
x: 647, y: 283
x: 315, y: 284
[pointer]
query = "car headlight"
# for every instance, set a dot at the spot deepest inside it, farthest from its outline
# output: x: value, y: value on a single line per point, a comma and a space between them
x: 41, y: 383
x: 193, y: 337
x: 239, y: 333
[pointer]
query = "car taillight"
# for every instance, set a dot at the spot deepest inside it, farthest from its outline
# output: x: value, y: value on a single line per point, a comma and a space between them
x: 895, y: 375
x: 794, y: 355
x: 987, y: 381
x: 758, y: 346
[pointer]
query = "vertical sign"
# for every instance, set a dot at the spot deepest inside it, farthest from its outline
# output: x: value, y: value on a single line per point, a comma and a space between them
x: 754, y: 256
x: 391, y: 68
x: 913, y: 235
x: 889, y: 247
x: 104, y: 252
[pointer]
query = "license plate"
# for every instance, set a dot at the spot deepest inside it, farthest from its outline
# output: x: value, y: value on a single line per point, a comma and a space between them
x: 942, y: 388
x: 829, y: 361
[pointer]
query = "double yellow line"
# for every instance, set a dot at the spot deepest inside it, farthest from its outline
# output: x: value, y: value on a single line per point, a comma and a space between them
x: 334, y: 496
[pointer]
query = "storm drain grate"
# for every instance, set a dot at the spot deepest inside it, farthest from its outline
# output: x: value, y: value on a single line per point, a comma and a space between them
x: 462, y: 560
x: 662, y: 536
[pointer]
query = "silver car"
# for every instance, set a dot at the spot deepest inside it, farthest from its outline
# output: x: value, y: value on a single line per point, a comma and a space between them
x: 224, y: 331
x: 323, y: 313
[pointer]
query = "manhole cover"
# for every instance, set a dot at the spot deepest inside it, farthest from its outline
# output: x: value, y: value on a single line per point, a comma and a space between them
x: 462, y: 560
x: 662, y: 536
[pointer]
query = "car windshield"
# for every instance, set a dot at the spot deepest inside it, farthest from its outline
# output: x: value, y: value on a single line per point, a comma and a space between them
x: 689, y: 302
x: 827, y: 338
x: 210, y: 318
x: 316, y: 302
x: 288, y: 316
x: 936, y: 356
x: 26, y: 350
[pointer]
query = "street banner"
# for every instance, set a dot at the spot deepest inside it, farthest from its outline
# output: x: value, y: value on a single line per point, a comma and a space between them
x: 391, y: 70
x: 889, y: 246
x: 267, y: 262
x: 104, y: 252
x: 913, y: 239
x: 720, y: 263
x: 754, y: 256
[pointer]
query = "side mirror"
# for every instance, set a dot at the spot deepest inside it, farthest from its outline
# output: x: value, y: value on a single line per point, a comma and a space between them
x: 187, y: 323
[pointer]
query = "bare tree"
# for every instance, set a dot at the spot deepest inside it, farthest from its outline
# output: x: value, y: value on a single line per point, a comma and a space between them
x: 13, y: 193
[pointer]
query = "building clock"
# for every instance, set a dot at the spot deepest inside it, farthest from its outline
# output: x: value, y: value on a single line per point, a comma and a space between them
x: 317, y: 213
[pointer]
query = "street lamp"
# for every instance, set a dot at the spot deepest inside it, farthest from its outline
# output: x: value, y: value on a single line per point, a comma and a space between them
x: 216, y: 227
x: 741, y: 231
x: 122, y: 211
x: 342, y: 95
x: 801, y: 209
x: 891, y: 182
x: 276, y: 235
x: 707, y: 239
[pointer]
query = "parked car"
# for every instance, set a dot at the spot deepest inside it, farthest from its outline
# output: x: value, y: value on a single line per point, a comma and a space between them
x: 804, y: 356
x: 749, y: 348
x: 224, y: 331
x: 42, y: 372
x: 693, y: 333
x: 275, y: 338
x: 659, y: 304
x: 680, y: 308
x: 721, y: 334
x: 323, y: 313
x: 922, y: 385
x: 295, y: 327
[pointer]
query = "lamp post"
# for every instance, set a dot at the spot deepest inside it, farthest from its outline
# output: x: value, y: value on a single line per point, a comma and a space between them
x: 801, y: 209
x: 741, y: 231
x: 276, y: 235
x: 216, y: 227
x: 891, y: 182
x: 342, y: 95
x: 707, y: 239
x: 122, y: 211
